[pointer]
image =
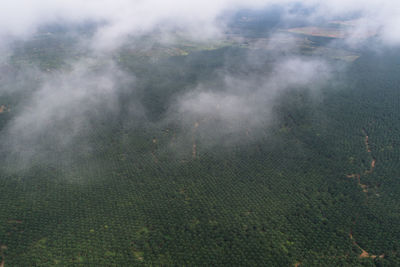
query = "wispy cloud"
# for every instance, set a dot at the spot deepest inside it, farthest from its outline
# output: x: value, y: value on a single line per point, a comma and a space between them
x: 62, y: 104
x: 125, y: 17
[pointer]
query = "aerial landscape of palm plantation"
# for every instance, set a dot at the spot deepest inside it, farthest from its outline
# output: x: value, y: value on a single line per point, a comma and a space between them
x: 200, y: 133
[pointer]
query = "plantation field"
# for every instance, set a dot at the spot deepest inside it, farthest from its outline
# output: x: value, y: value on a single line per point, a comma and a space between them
x: 314, y: 182
x: 320, y: 32
x: 336, y: 30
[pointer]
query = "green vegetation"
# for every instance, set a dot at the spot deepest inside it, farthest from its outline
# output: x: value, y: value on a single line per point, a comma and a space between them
x: 279, y: 197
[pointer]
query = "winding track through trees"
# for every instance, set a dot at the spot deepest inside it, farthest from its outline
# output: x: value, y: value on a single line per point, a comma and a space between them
x: 364, y: 253
x: 194, y: 146
x: 369, y: 171
x: 2, y: 248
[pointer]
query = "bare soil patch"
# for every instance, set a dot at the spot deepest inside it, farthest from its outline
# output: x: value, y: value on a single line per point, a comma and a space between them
x: 373, y: 163
x: 364, y: 253
x: 319, y: 31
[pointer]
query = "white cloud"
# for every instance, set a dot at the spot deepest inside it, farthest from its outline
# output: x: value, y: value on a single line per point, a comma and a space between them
x: 21, y: 17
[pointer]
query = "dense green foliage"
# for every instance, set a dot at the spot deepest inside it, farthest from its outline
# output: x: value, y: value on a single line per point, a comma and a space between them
x: 279, y: 197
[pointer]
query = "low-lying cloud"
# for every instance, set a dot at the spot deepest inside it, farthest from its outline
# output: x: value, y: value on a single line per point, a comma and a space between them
x: 244, y: 103
x: 126, y: 17
x: 61, y: 106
